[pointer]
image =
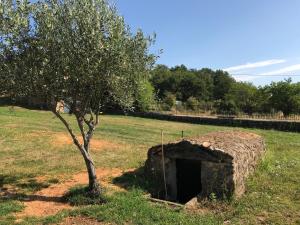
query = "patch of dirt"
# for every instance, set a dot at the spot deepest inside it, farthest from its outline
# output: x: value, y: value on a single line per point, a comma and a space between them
x: 48, y: 201
x: 11, y: 125
x: 35, y: 135
x: 81, y: 221
x: 61, y: 139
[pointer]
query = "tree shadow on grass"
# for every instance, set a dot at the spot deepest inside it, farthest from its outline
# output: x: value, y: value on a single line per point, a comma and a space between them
x: 6, y: 179
x: 22, y: 183
x: 136, y: 179
x: 15, y: 187
x: 29, y: 198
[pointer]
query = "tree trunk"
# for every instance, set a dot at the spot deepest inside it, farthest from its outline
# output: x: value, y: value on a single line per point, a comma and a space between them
x: 94, y: 186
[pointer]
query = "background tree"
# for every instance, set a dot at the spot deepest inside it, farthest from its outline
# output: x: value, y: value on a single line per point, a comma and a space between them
x: 205, y: 85
x: 218, y: 91
x: 285, y: 96
x: 80, y: 53
x: 207, y: 77
x: 169, y: 101
x: 144, y: 97
x: 190, y: 86
x: 262, y: 99
x: 159, y: 79
x: 192, y: 103
x: 227, y: 107
x: 222, y: 84
x: 243, y: 95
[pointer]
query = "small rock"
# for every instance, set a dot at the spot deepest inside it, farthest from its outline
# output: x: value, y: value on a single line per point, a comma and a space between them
x: 206, y: 144
x: 192, y: 204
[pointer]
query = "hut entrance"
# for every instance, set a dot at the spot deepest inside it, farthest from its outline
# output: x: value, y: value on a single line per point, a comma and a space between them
x: 188, y: 179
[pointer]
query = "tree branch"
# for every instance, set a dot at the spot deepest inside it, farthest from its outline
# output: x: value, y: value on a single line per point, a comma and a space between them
x: 84, y: 152
x: 81, y: 127
x: 75, y: 140
x: 91, y: 125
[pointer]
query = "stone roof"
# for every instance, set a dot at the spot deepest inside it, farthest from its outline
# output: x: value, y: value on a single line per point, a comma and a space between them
x: 233, y: 143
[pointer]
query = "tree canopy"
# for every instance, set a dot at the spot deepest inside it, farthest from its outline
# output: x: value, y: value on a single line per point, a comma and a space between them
x: 79, y: 53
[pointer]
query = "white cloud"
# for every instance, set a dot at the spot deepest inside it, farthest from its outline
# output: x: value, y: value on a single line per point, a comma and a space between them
x: 284, y: 71
x: 244, y: 78
x: 255, y: 65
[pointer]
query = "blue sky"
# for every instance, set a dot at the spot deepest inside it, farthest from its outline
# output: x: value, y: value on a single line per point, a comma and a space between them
x: 260, y: 37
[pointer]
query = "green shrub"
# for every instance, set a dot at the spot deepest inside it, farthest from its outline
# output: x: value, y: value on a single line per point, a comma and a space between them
x: 145, y: 97
x: 227, y: 107
x: 192, y: 103
x: 169, y: 101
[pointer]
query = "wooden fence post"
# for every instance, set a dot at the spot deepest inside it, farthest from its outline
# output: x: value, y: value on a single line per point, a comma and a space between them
x: 163, y: 163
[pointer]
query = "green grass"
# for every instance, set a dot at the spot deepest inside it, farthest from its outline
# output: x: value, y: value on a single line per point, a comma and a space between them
x: 79, y: 196
x: 9, y: 206
x: 132, y: 208
x: 29, y: 149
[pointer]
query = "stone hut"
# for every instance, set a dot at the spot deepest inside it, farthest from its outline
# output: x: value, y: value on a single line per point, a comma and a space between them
x: 214, y: 164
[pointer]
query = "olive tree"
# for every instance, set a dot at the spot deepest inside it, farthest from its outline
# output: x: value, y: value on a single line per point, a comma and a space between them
x: 78, y: 53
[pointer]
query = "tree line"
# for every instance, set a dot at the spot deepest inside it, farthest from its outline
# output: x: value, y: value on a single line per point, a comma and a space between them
x: 218, y: 92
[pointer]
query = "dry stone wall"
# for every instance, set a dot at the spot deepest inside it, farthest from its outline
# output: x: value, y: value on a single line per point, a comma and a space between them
x: 292, y: 126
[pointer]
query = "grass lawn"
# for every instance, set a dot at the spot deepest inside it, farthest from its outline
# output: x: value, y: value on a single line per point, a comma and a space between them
x: 31, y: 147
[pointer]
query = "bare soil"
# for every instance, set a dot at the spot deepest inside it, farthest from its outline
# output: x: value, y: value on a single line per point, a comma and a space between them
x: 61, y: 139
x: 48, y: 201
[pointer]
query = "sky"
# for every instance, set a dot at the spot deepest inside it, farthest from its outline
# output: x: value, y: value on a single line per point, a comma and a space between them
x: 243, y: 37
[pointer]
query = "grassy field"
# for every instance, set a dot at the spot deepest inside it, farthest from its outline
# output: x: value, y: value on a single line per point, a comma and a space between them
x: 32, y: 146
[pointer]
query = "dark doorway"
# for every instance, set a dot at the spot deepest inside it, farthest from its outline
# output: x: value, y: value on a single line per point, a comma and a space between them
x: 188, y: 179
